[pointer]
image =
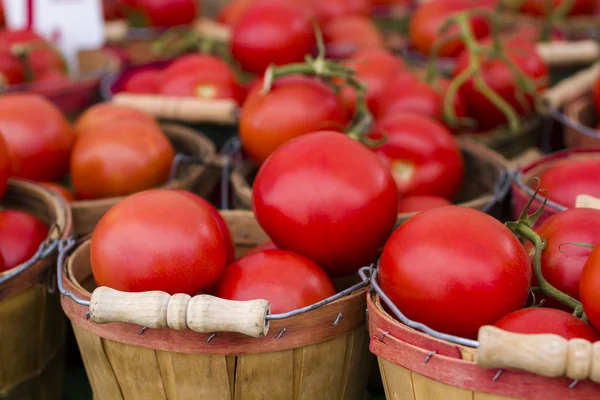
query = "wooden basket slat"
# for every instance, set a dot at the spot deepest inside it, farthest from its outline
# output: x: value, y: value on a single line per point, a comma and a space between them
x: 582, y: 110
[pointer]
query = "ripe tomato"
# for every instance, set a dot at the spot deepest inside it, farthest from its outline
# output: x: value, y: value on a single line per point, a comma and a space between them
x: 157, y: 240
x: 11, y: 69
x: 271, y: 32
x: 159, y: 13
x: 481, y: 270
x: 596, y: 94
x: 143, y: 82
x: 105, y: 113
x: 2, y: 264
x: 262, y: 247
x: 60, y: 190
x: 425, y: 24
x: 20, y: 236
x: 328, y: 10
x: 420, y: 203
x: 232, y: 11
x: 120, y: 158
x: 227, y: 240
x: 38, y: 136
x: 347, y: 34
x: 589, y: 289
x: 502, y: 80
x: 354, y: 210
x: 287, y: 280
x: 548, y: 321
x: 41, y: 56
x: 540, y: 7
x: 566, y: 179
x: 374, y: 68
x: 295, y: 105
x: 5, y: 168
x: 422, y: 154
x: 110, y: 10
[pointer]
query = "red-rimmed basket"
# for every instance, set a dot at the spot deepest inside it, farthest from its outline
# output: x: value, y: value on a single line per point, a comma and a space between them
x: 318, y: 354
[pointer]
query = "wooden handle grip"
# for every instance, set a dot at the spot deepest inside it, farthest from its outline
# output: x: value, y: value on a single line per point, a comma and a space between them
x: 202, y: 313
x: 571, y: 88
x: 569, y: 53
x: 190, y: 109
x: 116, y: 31
x: 547, y: 355
x: 210, y: 29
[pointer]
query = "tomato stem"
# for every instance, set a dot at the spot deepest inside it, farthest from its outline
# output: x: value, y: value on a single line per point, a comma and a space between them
x: 553, y: 17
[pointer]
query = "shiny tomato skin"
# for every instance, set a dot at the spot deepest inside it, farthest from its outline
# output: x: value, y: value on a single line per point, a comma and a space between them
x: 157, y: 240
x: 193, y: 62
x: 262, y: 247
x: 38, y: 136
x: 293, y: 107
x: 566, y: 179
x: 41, y: 56
x: 421, y: 203
x: 353, y: 213
x: 481, y: 270
x: 5, y: 168
x: 422, y: 155
x: 547, y: 321
x: 160, y: 13
x: 589, y: 289
x: 287, y: 280
x: 271, y: 32
x: 59, y: 190
x: 143, y: 82
x: 106, y: 113
x: 120, y: 158
x: 11, y: 69
x: 501, y: 79
x: 540, y: 7
x: 227, y: 239
x: 20, y: 236
x: 347, y: 34
x: 328, y: 10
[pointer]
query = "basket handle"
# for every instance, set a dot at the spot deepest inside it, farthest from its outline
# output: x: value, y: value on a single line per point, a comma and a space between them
x: 569, y: 53
x: 547, y: 355
x: 570, y: 89
x: 202, y: 313
x: 190, y: 109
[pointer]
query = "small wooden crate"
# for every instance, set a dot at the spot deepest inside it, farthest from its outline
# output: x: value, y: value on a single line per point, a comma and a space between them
x: 314, y: 358
x: 31, y: 323
x: 198, y: 178
x: 583, y: 112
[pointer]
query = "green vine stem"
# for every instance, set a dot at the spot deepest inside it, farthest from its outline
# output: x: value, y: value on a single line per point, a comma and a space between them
x: 553, y: 17
x: 329, y: 71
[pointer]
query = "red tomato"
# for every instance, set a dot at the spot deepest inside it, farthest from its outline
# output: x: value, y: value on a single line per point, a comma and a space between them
x: 295, y: 106
x: 566, y: 179
x: 481, y: 270
x: 327, y: 10
x: 589, y: 290
x: 547, y: 321
x: 41, y: 56
x: 59, y: 189
x: 120, y: 158
x: 20, y: 236
x: 227, y: 240
x: 374, y: 68
x: 105, y: 113
x: 425, y: 24
x: 420, y: 203
x: 159, y: 13
x: 347, y: 34
x: 110, y: 10
x: 157, y: 240
x: 11, y: 69
x: 287, y: 280
x: 327, y: 197
x: 232, y: 11
x: 540, y: 7
x: 262, y: 247
x: 271, y: 32
x: 143, y: 82
x: 191, y: 63
x: 2, y: 264
x: 596, y: 94
x: 38, y: 136
x: 5, y: 168
x: 422, y: 155
x: 502, y: 80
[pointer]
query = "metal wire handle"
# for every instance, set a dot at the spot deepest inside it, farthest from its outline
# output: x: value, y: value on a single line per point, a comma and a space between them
x: 570, y: 122
x: 501, y: 189
x: 46, y: 248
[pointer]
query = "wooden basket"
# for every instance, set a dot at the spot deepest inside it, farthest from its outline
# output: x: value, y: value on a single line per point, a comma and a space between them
x: 200, y: 179
x: 583, y: 112
x: 314, y: 358
x: 484, y: 167
x: 31, y: 323
x: 417, y: 366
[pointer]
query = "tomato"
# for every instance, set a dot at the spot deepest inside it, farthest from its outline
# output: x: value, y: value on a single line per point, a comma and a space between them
x: 262, y: 247
x: 566, y: 179
x: 420, y: 203
x: 481, y: 270
x: 227, y: 240
x: 426, y: 21
x: 502, y: 80
x: 159, y: 13
x: 589, y: 289
x: 157, y: 240
x: 326, y: 197
x: 232, y: 11
x: 422, y: 156
x: 540, y: 7
x: 5, y: 168
x: 110, y: 10
x: 2, y: 264
x: 287, y: 280
x: 60, y: 190
x: 105, y: 113
x: 347, y: 34
x: 374, y: 68
x: 327, y: 10
x: 120, y: 158
x: 38, y: 136
x: 20, y: 236
x: 547, y: 321
x: 271, y: 32
x: 143, y: 82
x: 11, y: 69
x: 41, y: 56
x: 295, y: 106
x: 596, y: 95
